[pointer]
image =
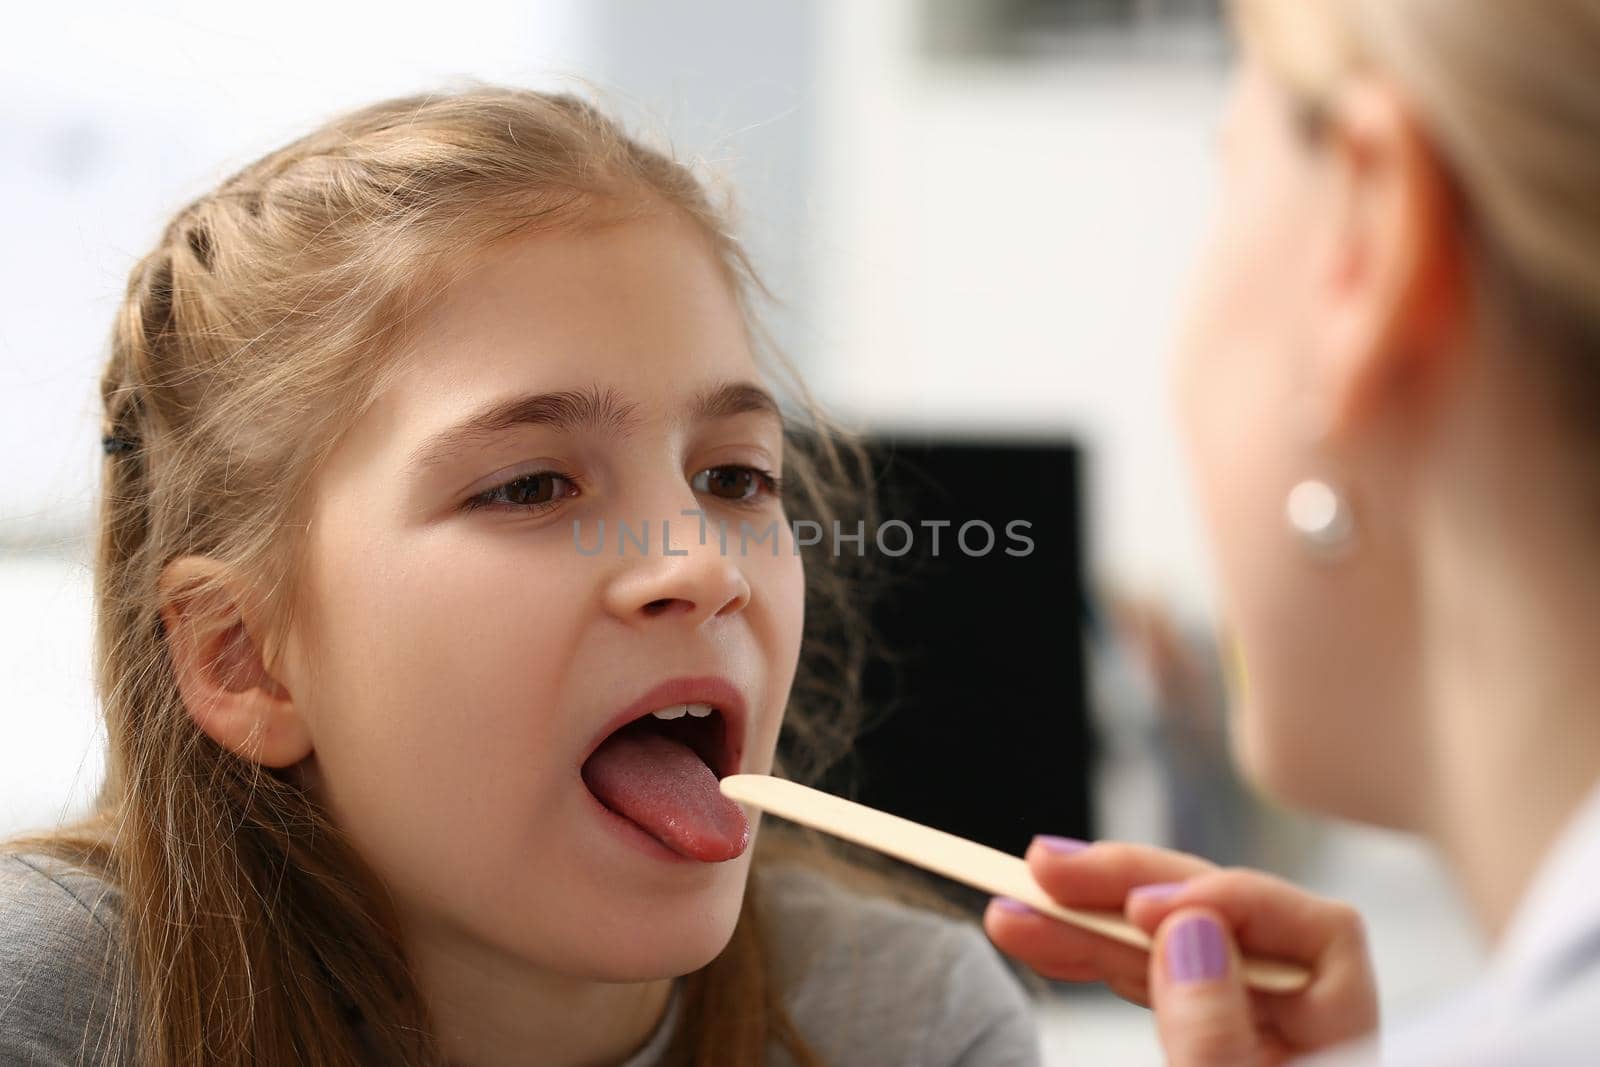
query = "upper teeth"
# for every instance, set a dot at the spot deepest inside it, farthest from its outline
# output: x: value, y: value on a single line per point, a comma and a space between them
x: 678, y: 711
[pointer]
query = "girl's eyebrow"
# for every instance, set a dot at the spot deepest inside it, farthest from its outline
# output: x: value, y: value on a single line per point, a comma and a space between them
x: 570, y: 410
x: 734, y: 398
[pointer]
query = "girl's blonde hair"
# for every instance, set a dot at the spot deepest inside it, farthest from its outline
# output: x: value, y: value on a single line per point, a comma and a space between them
x: 255, y: 333
x: 1509, y: 94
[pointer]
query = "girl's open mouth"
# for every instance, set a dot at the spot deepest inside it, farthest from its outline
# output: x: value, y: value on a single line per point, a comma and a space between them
x: 660, y: 772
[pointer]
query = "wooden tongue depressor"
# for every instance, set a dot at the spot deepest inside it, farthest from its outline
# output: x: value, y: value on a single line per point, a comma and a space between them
x: 965, y: 861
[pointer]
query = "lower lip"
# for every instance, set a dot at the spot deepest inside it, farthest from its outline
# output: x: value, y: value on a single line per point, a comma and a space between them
x: 629, y: 832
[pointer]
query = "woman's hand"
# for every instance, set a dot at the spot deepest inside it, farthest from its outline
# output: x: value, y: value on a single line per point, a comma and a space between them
x: 1201, y: 918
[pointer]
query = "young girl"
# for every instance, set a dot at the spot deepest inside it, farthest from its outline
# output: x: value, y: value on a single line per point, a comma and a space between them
x: 402, y: 769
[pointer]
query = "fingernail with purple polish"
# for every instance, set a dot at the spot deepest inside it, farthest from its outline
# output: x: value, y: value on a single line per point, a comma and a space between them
x: 1015, y: 907
x: 1196, y: 951
x: 1060, y: 846
x: 1156, y: 890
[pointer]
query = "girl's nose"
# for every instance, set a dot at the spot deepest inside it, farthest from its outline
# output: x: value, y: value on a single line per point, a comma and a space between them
x: 677, y: 577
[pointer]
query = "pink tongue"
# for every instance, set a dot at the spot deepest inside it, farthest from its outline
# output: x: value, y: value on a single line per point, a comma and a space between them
x: 661, y: 785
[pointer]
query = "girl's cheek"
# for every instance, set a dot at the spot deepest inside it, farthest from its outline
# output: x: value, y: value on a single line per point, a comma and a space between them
x: 780, y: 581
x: 794, y: 581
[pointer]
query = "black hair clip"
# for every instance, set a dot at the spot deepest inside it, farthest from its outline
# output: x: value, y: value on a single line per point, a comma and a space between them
x: 113, y: 444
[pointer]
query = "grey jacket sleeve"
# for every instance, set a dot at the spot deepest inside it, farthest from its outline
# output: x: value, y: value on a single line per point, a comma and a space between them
x: 986, y: 1019
x: 872, y: 983
x: 57, y: 946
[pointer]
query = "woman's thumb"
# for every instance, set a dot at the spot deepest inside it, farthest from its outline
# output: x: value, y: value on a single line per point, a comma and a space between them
x: 1202, y: 1009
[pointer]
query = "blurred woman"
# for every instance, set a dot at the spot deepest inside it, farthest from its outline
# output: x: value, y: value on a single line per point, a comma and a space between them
x: 1390, y: 386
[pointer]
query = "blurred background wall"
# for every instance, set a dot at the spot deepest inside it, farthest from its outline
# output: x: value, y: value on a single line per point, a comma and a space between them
x: 978, y: 216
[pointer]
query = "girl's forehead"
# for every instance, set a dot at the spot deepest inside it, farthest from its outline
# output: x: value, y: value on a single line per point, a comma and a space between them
x: 602, y: 379
x: 576, y: 270
x: 593, y: 408
x: 639, y: 307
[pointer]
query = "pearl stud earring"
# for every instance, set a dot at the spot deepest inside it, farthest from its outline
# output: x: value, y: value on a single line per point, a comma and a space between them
x: 1321, y: 518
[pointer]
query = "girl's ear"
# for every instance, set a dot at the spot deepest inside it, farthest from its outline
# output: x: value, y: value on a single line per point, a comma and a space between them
x: 220, y: 672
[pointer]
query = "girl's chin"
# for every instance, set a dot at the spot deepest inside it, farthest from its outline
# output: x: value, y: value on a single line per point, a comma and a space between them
x: 679, y: 953
x: 659, y: 936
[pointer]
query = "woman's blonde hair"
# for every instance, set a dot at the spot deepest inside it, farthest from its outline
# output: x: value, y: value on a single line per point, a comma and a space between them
x: 1509, y: 94
x: 255, y: 333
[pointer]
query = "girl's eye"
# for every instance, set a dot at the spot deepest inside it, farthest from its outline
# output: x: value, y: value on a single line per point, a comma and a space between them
x: 736, y: 483
x: 531, y: 492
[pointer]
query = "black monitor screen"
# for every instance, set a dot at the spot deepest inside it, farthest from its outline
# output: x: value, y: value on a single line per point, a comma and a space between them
x: 977, y: 694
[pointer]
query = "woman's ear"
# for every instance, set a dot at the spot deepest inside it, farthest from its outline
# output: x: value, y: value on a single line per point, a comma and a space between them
x: 220, y: 670
x: 1395, y: 292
